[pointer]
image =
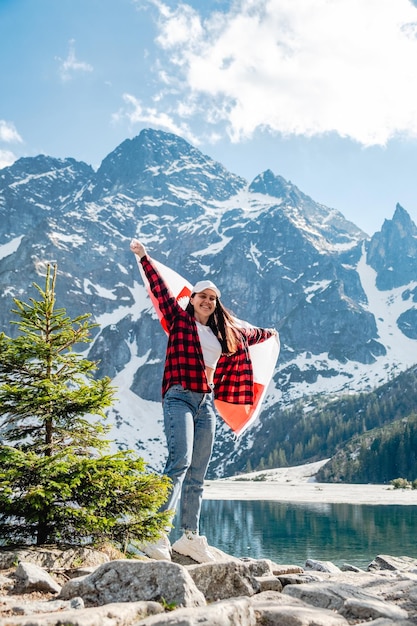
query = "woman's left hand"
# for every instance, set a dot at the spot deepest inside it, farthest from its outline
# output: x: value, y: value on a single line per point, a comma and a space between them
x: 137, y: 248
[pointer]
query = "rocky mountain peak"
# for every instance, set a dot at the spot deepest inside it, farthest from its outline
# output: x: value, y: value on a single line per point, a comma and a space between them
x: 392, y: 251
x: 274, y: 185
x: 29, y: 169
x: 318, y: 222
x: 403, y: 222
x: 35, y: 186
x: 164, y: 164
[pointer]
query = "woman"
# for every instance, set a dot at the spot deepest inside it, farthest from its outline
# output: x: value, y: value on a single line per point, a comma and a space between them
x: 207, y: 356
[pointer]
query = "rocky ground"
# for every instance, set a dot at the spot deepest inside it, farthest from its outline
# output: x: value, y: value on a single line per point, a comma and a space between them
x: 82, y: 587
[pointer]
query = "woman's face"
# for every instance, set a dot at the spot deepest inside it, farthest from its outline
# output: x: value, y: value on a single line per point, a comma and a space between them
x: 204, y: 304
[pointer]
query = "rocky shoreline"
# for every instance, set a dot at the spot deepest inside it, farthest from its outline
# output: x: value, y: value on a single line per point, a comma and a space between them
x: 82, y: 587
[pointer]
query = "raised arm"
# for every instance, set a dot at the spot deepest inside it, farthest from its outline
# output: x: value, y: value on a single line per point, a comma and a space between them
x: 257, y: 335
x: 167, y: 302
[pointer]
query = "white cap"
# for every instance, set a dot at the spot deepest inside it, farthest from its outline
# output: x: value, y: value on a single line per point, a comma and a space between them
x: 206, y: 284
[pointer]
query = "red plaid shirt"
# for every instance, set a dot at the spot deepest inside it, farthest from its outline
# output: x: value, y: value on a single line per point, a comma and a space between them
x: 184, y: 363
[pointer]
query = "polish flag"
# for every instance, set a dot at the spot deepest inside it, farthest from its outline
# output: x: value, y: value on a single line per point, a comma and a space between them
x: 239, y: 417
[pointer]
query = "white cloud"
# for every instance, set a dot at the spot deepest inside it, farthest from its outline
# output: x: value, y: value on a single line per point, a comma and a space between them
x: 136, y: 113
x: 70, y: 66
x: 8, y: 133
x: 6, y: 158
x: 303, y: 67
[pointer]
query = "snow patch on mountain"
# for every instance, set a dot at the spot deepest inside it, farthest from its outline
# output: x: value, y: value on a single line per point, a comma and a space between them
x: 141, y: 302
x: 136, y: 424
x: 387, y: 306
x: 10, y: 247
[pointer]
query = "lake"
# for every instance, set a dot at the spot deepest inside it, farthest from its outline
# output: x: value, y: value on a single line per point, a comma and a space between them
x: 291, y: 533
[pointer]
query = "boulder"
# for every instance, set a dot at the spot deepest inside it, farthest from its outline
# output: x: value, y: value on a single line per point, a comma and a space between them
x: 228, y: 579
x: 347, y: 600
x: 30, y: 577
x: 131, y: 581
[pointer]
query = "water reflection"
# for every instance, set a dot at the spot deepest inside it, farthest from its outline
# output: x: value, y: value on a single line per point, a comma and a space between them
x: 292, y: 533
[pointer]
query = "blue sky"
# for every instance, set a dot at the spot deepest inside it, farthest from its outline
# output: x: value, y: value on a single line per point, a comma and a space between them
x: 322, y: 92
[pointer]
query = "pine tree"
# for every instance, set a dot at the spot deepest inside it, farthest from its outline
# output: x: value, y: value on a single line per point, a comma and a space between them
x: 58, y: 482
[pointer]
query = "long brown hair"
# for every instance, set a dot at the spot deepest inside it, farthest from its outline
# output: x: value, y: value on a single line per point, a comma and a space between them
x: 223, y: 325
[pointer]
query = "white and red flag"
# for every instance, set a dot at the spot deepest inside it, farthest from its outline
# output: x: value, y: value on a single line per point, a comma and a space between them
x: 263, y: 355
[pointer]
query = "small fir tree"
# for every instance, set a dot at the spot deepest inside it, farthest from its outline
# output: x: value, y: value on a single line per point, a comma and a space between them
x: 57, y: 484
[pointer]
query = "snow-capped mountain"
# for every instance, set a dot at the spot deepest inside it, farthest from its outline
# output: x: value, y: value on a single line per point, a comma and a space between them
x: 344, y: 303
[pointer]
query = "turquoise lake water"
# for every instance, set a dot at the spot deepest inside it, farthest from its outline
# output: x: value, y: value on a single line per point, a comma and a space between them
x: 292, y: 533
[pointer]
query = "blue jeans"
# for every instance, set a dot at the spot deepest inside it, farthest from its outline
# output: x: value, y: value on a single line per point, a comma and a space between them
x: 190, y: 424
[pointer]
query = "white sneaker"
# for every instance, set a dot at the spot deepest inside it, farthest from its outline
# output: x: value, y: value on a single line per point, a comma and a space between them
x: 194, y: 546
x: 159, y: 550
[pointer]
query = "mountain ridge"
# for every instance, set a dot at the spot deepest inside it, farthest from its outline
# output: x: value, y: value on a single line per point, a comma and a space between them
x: 280, y: 261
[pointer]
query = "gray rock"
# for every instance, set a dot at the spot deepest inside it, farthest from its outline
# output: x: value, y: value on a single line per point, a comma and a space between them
x: 269, y: 583
x: 298, y: 579
x: 346, y: 567
x: 52, y: 558
x: 275, y: 597
x: 322, y: 566
x: 234, y: 612
x: 297, y: 616
x: 219, y: 555
x: 30, y: 577
x: 393, y: 563
x: 280, y: 570
x: 131, y: 581
x: 348, y: 600
x: 272, y: 608
x: 17, y: 607
x: 116, y: 614
x: 218, y: 581
x: 325, y: 595
x: 364, y: 610
x: 260, y: 567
